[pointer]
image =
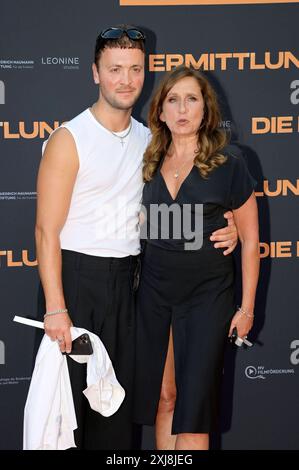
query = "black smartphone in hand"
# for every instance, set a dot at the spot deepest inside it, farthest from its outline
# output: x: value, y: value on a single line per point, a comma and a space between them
x: 81, y: 346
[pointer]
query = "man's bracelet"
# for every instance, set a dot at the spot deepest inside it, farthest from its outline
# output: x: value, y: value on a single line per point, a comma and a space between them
x: 248, y: 315
x: 62, y: 310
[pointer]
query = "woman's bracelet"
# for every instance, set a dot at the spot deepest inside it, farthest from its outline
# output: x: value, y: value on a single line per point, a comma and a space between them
x: 62, y: 310
x: 248, y: 315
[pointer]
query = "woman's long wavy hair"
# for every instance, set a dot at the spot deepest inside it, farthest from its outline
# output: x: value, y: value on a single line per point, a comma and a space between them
x: 211, y: 139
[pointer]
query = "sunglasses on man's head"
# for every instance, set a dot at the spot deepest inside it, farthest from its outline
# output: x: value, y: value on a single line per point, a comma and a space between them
x: 116, y: 33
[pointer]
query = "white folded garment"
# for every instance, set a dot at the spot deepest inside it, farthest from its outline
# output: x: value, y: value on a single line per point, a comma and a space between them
x: 49, y: 416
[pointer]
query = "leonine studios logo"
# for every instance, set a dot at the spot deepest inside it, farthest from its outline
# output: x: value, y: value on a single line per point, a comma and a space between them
x: 67, y: 63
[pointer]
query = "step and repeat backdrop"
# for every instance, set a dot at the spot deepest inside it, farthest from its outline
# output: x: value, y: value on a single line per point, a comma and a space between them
x: 249, y: 50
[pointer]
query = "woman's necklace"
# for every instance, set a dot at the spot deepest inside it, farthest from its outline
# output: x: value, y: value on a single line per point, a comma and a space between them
x: 177, y: 170
x: 176, y: 173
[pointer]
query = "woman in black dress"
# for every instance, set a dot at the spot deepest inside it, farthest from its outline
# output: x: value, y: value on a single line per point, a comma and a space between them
x: 185, y: 302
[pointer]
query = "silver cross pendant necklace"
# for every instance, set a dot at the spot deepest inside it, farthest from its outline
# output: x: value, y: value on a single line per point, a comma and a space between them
x: 122, y: 137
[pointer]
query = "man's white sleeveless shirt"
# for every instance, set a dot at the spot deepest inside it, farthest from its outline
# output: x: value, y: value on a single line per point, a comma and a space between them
x: 103, y: 214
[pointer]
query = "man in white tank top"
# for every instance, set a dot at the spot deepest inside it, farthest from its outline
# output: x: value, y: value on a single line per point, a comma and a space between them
x: 87, y: 237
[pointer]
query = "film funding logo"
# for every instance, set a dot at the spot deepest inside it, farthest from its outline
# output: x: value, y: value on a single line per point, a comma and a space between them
x: 16, y: 64
x: 2, y: 92
x: 260, y: 372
